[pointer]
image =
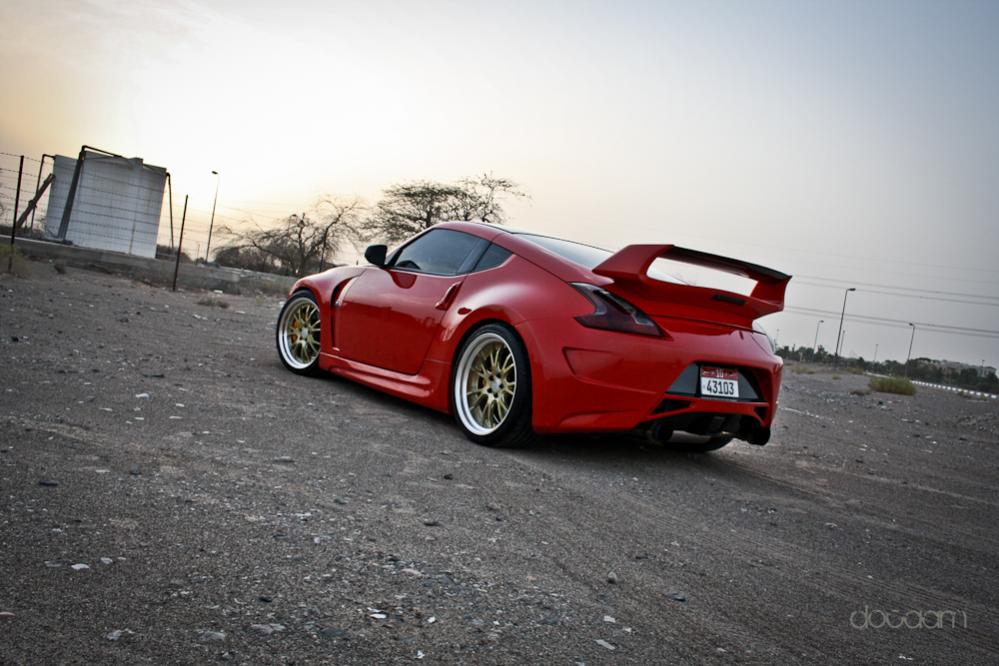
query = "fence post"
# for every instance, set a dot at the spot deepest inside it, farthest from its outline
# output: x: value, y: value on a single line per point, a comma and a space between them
x: 13, y: 223
x: 180, y: 242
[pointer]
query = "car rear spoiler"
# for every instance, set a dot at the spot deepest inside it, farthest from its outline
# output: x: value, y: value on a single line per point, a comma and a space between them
x: 629, y: 269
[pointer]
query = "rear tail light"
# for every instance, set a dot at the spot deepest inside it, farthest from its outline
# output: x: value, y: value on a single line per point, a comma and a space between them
x: 613, y: 313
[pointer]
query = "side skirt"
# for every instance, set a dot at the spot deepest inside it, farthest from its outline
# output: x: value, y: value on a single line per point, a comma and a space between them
x: 429, y: 387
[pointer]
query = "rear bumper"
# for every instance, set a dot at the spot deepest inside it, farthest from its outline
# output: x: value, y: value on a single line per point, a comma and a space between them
x: 588, y: 380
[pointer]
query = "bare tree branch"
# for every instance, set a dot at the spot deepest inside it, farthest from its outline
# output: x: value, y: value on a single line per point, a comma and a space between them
x: 409, y: 208
x: 299, y: 244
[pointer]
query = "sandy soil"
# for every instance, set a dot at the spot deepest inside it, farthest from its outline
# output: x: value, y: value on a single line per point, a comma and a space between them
x: 225, y: 509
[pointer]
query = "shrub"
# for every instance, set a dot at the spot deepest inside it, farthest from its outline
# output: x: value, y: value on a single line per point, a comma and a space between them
x: 211, y: 302
x: 898, y: 385
x: 19, y: 264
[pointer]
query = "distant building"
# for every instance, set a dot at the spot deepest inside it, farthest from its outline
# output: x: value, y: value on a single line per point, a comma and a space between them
x: 982, y: 371
x: 117, y: 204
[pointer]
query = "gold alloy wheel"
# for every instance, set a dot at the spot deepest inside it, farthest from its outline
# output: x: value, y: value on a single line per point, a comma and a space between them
x: 298, y: 332
x: 486, y: 384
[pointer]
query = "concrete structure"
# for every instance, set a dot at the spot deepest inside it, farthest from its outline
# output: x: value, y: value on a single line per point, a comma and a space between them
x: 117, y: 205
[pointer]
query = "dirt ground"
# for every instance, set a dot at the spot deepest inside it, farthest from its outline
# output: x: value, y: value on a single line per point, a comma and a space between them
x: 170, y: 494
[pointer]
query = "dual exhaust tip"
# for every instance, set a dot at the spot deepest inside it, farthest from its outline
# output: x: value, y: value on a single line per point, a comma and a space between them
x: 660, y: 432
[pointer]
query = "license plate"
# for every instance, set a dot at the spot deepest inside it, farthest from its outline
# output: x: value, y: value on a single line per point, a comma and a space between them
x: 719, y: 382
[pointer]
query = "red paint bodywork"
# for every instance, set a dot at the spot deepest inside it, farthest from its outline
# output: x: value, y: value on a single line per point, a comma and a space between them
x: 399, y: 331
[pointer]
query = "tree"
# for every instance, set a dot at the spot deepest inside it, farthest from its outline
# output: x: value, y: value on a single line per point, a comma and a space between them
x: 298, y: 244
x: 410, y: 208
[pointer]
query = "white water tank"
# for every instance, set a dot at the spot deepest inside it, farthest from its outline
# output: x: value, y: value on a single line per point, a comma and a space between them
x: 117, y: 204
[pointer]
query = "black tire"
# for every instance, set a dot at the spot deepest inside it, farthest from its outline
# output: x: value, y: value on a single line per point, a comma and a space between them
x: 514, y: 428
x: 301, y: 358
x: 711, y: 444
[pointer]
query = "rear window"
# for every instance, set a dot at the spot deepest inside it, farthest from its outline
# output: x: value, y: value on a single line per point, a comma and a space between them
x: 590, y: 257
x: 586, y: 256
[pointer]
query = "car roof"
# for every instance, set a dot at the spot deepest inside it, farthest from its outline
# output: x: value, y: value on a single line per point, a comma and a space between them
x: 512, y: 240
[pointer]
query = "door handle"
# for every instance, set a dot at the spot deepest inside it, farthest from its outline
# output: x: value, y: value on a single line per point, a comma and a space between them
x: 448, y: 298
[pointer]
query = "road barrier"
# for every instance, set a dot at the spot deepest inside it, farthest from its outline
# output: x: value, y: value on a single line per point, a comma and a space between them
x: 958, y: 390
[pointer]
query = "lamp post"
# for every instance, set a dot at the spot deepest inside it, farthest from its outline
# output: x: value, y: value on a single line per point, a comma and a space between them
x: 912, y: 338
x: 815, y: 345
x: 208, y: 245
x: 840, y: 334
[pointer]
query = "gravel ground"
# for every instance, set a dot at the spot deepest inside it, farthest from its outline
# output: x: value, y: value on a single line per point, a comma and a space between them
x: 170, y: 494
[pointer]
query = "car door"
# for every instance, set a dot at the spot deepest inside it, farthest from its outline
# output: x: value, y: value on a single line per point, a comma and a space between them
x: 387, y: 317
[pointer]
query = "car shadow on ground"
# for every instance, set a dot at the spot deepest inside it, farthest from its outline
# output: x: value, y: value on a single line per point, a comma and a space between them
x: 632, y: 450
x: 626, y: 446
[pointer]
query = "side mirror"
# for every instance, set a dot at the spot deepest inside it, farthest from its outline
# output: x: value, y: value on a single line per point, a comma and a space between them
x: 375, y: 254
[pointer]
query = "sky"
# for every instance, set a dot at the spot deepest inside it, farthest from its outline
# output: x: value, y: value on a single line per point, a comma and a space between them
x: 847, y: 143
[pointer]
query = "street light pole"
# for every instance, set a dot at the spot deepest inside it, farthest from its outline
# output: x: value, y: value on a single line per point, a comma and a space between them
x: 815, y: 345
x: 208, y: 245
x: 912, y: 338
x: 840, y: 334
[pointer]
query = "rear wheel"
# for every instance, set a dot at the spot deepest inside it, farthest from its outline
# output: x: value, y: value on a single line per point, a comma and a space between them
x: 491, y: 388
x: 298, y: 334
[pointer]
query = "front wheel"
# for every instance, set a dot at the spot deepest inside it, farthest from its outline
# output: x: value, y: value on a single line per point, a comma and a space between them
x: 491, y: 388
x: 298, y: 333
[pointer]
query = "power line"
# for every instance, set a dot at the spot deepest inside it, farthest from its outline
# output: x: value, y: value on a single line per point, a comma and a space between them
x: 889, y: 286
x: 900, y: 323
x: 878, y: 260
x: 917, y: 296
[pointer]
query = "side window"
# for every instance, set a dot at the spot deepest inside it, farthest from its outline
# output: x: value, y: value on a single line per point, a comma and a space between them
x: 492, y: 258
x: 439, y: 252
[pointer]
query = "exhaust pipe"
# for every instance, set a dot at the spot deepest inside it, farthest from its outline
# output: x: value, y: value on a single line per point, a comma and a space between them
x: 658, y: 432
x: 758, y: 436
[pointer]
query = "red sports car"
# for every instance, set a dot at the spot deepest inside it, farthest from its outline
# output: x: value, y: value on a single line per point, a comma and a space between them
x: 516, y: 333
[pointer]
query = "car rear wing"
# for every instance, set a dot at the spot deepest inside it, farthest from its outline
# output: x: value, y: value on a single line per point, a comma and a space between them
x: 629, y: 269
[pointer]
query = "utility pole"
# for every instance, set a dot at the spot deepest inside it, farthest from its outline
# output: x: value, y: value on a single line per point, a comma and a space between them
x: 875, y: 354
x: 815, y: 345
x: 208, y: 245
x: 180, y: 243
x: 839, y: 335
x: 909, y: 355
